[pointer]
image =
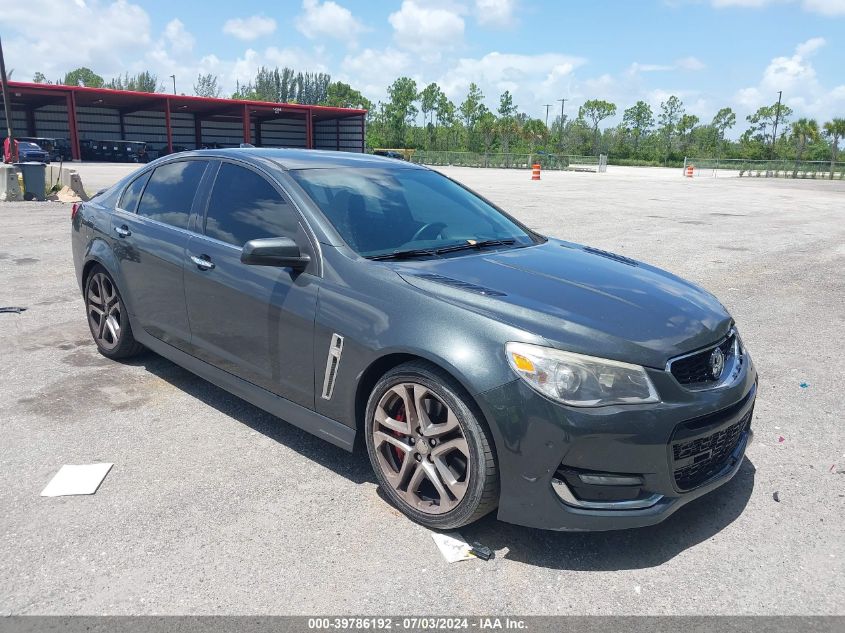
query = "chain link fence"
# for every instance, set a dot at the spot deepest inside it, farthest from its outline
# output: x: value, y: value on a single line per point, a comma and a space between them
x: 511, y: 161
x: 812, y: 169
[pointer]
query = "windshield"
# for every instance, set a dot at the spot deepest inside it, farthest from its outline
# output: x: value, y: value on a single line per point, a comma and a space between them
x: 27, y: 145
x: 381, y: 211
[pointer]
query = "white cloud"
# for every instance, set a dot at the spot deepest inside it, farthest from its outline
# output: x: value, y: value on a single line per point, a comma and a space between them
x: 371, y: 71
x: 495, y: 12
x: 809, y: 47
x: 250, y: 28
x: 685, y: 63
x: 793, y: 73
x: 328, y: 19
x: 294, y: 58
x: 690, y: 63
x: 114, y: 32
x: 178, y: 38
x: 796, y: 77
x: 823, y: 7
x: 533, y: 79
x: 426, y: 29
x: 743, y: 3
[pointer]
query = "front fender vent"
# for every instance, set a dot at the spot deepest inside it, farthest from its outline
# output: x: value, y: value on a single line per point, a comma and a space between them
x: 462, y: 285
x: 335, y: 350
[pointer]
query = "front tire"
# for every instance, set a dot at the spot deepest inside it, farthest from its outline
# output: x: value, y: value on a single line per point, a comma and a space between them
x: 107, y: 316
x: 430, y: 452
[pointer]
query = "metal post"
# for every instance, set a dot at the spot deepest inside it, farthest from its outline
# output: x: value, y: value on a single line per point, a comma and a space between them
x: 247, y: 126
x: 547, y: 106
x: 775, y: 131
x: 167, y: 126
x: 73, y: 130
x: 173, y: 77
x: 562, y: 103
x: 309, y: 129
x: 197, y: 132
x: 7, y: 105
x: 30, y: 122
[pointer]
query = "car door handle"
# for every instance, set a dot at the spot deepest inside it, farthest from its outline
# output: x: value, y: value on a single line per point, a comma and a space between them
x: 202, y: 262
x: 122, y: 231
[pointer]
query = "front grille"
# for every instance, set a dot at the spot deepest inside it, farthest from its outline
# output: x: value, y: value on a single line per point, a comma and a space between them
x: 695, y: 369
x: 698, y: 460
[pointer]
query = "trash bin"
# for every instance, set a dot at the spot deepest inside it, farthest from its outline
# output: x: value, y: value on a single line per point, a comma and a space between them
x: 34, y: 180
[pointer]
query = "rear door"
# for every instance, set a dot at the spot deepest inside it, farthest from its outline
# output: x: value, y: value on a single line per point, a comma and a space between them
x: 256, y: 322
x: 150, y: 232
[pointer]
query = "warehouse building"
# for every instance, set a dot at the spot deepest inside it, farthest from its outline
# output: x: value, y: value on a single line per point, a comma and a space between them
x: 169, y: 123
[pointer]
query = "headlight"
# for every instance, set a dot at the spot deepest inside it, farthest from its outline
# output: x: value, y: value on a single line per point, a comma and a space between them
x: 580, y: 381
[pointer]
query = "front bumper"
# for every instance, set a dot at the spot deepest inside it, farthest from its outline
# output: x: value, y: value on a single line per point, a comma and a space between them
x: 678, y: 450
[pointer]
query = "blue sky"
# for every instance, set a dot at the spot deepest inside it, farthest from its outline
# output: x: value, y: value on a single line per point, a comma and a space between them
x: 711, y: 53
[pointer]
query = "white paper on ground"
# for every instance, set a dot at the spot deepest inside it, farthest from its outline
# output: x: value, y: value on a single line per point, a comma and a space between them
x: 73, y: 479
x: 453, y: 546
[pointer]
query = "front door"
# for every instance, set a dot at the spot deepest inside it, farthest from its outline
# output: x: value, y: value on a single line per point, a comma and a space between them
x: 256, y: 322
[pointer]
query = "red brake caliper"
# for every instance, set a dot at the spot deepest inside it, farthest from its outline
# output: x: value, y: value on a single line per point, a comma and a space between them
x: 399, y: 417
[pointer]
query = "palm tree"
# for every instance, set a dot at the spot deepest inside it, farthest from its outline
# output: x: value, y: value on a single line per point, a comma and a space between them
x: 835, y: 130
x: 535, y: 132
x: 803, y: 131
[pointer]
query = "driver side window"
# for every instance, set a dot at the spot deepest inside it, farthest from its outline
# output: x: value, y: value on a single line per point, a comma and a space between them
x: 244, y: 206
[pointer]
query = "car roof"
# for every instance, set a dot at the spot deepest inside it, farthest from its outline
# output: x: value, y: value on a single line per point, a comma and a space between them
x: 289, y: 158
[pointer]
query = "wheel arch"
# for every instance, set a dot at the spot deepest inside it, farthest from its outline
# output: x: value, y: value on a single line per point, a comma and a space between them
x: 100, y: 253
x: 383, y: 364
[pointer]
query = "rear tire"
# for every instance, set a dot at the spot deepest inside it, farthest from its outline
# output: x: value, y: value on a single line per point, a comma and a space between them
x: 431, y: 453
x: 108, y: 319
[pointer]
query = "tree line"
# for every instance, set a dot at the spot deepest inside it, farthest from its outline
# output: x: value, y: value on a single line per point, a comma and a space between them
x: 642, y: 136
x: 425, y: 118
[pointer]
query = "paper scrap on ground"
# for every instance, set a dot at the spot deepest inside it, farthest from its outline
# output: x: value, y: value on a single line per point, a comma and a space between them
x: 453, y: 546
x: 73, y: 479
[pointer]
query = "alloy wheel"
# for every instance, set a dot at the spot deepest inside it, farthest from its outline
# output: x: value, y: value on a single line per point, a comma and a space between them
x: 104, y: 311
x: 421, y: 448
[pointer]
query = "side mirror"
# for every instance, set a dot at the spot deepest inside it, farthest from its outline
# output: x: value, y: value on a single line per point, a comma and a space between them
x: 274, y: 251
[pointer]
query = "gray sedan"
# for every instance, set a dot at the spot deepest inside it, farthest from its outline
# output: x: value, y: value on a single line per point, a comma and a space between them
x: 483, y: 366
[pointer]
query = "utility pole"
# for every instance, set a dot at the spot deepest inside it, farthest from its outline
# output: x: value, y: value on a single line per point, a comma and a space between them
x: 775, y: 131
x: 562, y: 103
x: 547, y: 106
x: 173, y: 77
x: 7, y: 106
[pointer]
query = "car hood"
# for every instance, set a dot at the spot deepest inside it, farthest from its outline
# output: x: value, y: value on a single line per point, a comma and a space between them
x: 580, y: 299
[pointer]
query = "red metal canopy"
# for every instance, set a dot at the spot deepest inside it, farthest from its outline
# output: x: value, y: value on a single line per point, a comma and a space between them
x: 33, y: 96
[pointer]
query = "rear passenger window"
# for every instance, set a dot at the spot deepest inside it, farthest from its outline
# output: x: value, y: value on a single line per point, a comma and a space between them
x: 244, y: 206
x: 170, y: 192
x: 131, y: 195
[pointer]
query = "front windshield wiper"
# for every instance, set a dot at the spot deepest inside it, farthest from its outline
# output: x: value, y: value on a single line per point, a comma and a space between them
x: 473, y: 244
x: 434, y: 252
x: 406, y: 254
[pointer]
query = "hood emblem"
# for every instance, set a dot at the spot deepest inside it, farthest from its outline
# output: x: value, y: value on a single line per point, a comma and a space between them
x: 717, y: 363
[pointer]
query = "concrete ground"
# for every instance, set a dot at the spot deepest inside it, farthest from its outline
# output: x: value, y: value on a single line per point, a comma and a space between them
x: 215, y: 507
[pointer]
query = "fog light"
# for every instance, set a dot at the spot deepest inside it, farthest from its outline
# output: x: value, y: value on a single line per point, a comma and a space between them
x: 611, y: 480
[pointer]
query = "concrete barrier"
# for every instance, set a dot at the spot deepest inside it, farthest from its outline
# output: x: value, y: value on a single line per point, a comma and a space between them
x: 10, y: 188
x: 66, y: 177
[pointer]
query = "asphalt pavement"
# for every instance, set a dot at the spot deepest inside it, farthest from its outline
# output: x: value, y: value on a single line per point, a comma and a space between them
x: 215, y: 507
